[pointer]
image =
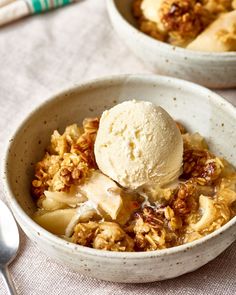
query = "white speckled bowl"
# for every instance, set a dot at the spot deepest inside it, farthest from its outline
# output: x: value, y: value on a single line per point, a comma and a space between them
x: 198, y: 108
x: 215, y: 70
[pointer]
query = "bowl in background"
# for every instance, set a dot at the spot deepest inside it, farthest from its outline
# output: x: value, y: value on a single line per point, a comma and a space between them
x: 198, y: 108
x: 214, y: 70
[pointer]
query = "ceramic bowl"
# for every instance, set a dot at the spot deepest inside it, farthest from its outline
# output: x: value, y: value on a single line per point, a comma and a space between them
x: 198, y: 108
x: 215, y: 70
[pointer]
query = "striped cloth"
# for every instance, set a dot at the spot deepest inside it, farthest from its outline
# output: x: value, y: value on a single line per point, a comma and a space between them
x: 38, y: 6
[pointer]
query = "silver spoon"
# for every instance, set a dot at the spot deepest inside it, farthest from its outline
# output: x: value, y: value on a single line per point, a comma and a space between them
x: 9, y: 244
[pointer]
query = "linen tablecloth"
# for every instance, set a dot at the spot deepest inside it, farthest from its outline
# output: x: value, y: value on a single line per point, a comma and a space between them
x: 39, y: 56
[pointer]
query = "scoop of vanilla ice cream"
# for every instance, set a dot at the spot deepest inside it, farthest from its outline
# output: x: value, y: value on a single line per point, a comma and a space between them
x: 138, y: 144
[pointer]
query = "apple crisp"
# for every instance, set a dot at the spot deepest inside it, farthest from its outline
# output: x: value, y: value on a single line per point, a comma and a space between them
x: 82, y: 205
x: 180, y: 22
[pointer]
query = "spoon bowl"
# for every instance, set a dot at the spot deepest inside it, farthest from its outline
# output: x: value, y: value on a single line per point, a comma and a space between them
x: 9, y: 244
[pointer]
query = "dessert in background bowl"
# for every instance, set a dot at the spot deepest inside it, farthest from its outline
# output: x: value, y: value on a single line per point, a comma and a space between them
x: 208, y: 25
x: 211, y: 116
x: 192, y: 40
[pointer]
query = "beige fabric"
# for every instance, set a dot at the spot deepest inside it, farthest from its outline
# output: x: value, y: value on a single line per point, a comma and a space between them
x: 39, y: 56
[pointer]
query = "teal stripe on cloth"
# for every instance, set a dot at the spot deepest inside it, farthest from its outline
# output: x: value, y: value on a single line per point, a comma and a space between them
x: 46, y: 2
x: 56, y: 3
x: 65, y: 2
x: 38, y: 6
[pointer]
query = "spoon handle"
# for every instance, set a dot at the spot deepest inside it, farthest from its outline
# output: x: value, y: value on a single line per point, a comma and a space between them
x: 8, y: 281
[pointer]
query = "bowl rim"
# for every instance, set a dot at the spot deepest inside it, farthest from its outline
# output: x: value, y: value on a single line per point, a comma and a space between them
x: 225, y: 56
x: 65, y: 245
